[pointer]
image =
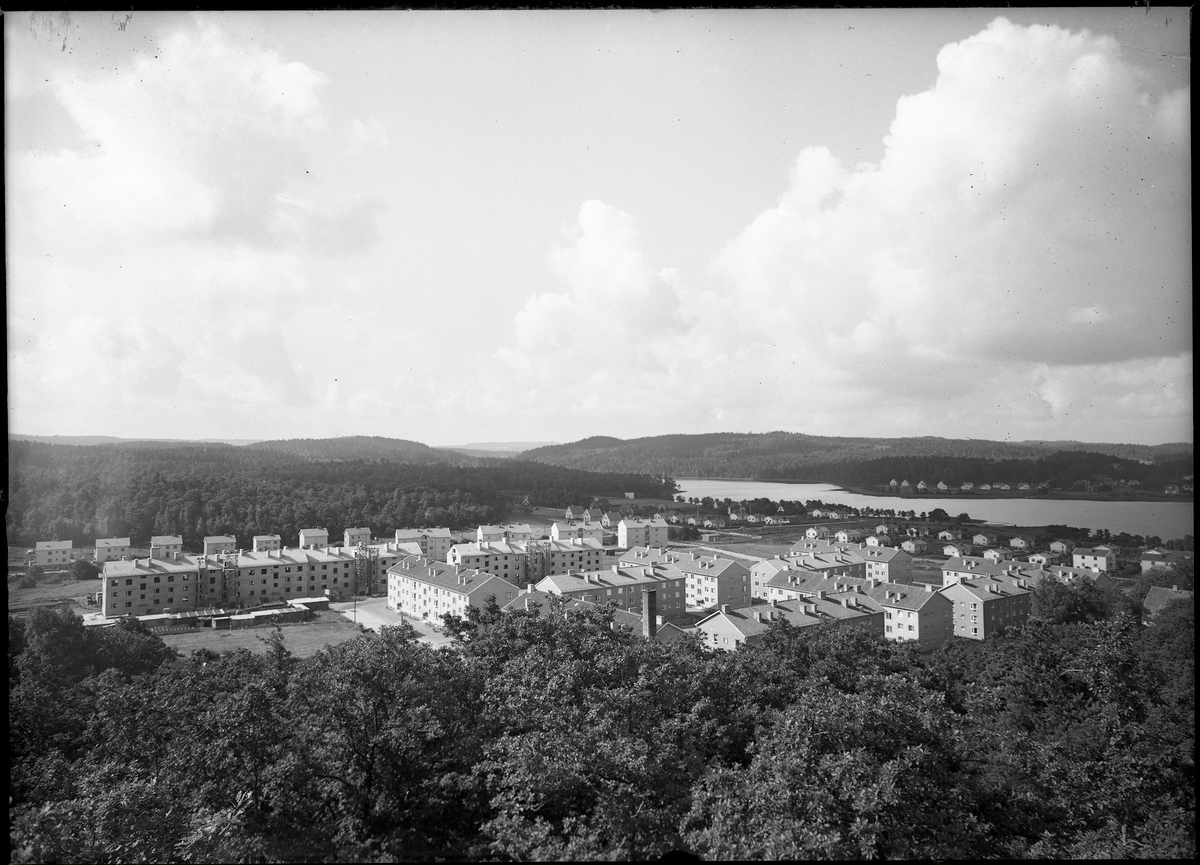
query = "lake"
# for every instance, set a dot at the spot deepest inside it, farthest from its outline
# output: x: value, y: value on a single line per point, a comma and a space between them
x: 1168, y: 520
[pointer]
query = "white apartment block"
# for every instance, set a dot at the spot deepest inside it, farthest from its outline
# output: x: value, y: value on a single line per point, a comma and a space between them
x: 161, y: 546
x: 265, y: 543
x: 314, y: 538
x: 427, y: 589
x: 142, y: 587
x: 111, y: 549
x: 214, y: 544
x: 713, y: 581
x: 642, y: 533
x: 354, y: 537
x: 55, y: 554
x: 509, y: 532
x: 761, y: 573
x: 622, y: 586
x: 435, y: 543
x: 561, y: 531
x: 527, y: 561
x: 1094, y: 558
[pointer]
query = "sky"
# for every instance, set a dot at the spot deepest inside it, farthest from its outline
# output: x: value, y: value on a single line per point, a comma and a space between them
x: 482, y: 226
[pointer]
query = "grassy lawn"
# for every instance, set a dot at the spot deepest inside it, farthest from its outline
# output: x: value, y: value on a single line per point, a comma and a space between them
x: 302, y: 640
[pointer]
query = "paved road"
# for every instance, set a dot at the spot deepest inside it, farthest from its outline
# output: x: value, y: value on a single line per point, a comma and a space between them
x: 374, y: 613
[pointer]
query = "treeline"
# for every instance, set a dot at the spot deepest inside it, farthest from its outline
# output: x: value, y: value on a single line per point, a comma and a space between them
x: 550, y: 734
x: 61, y: 492
x: 1059, y: 470
x: 871, y: 462
x: 362, y: 447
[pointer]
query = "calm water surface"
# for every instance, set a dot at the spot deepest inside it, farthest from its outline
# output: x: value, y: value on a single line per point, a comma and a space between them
x: 1166, y: 519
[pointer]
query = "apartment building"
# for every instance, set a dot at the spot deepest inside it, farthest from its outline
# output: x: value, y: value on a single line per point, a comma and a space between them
x: 640, y: 533
x: 355, y: 536
x: 528, y: 561
x: 797, y: 584
x: 266, y: 543
x: 970, y: 567
x: 561, y: 531
x: 214, y: 544
x: 111, y: 549
x: 866, y: 561
x: 509, y: 532
x: 435, y: 543
x: 984, y: 607
x: 162, y: 546
x: 1160, y: 558
x: 731, y: 627
x: 713, y: 581
x: 1094, y: 558
x: 761, y: 573
x: 55, y: 554
x: 427, y: 589
x: 316, y: 538
x: 923, y: 616
x: 636, y: 557
x: 623, y: 586
x: 142, y: 587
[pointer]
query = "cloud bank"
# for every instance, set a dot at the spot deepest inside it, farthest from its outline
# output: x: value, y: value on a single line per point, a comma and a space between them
x: 1018, y: 264
x: 167, y: 263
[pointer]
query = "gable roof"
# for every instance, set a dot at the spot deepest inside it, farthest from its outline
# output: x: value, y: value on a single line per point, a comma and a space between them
x: 1159, y: 596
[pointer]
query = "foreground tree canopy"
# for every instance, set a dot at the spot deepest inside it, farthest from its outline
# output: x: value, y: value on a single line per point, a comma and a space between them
x: 550, y: 734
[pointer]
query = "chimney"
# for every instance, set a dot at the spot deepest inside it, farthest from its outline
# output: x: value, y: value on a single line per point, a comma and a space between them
x: 845, y: 602
x: 649, y: 613
x: 529, y: 588
x: 929, y: 587
x: 725, y: 608
x: 821, y: 594
x: 774, y: 602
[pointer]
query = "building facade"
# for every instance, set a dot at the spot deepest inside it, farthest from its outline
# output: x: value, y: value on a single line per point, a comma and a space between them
x: 111, y: 549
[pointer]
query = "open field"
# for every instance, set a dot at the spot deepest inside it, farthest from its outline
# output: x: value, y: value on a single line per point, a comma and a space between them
x: 47, y: 592
x: 302, y: 639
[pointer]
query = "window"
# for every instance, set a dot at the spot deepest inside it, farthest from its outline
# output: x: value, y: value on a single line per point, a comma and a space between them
x: 127, y: 582
x: 142, y: 586
x: 114, y: 582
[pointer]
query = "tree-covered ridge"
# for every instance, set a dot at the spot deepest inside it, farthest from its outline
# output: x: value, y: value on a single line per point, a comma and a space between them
x: 362, y: 448
x: 550, y: 734
x: 81, y: 493
x: 866, y: 461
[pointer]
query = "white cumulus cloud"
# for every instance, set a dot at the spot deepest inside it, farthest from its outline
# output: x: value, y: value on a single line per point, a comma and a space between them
x: 1017, y: 263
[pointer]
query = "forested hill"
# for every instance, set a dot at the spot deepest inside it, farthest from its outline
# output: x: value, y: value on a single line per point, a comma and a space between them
x: 794, y: 456
x: 79, y: 493
x: 361, y: 448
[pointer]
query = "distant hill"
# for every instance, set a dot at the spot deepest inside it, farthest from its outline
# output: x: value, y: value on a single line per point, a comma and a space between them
x: 110, y: 440
x: 514, y: 447
x: 360, y: 448
x: 795, y: 456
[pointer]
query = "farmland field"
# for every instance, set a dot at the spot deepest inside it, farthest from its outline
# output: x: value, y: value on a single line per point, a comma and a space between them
x: 301, y: 639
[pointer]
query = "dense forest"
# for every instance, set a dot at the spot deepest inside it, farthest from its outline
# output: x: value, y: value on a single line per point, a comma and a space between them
x: 362, y: 447
x: 872, y: 462
x: 60, y: 492
x: 551, y: 734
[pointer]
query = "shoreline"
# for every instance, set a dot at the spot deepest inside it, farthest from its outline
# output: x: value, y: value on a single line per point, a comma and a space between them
x: 1055, y: 495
